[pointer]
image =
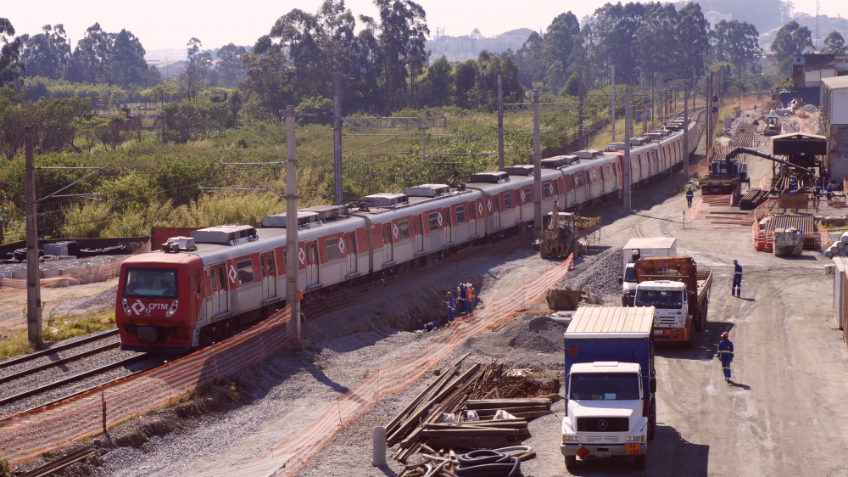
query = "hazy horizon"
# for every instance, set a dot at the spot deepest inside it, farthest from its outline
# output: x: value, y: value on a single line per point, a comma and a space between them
x: 162, y: 25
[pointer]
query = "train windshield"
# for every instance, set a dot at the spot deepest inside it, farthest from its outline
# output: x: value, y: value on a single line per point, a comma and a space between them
x: 150, y: 283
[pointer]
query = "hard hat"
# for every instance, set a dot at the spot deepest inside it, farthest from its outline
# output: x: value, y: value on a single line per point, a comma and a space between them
x: 461, y: 285
x: 725, y: 335
x: 450, y: 294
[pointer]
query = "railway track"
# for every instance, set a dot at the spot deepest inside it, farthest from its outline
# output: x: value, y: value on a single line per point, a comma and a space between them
x: 45, y: 377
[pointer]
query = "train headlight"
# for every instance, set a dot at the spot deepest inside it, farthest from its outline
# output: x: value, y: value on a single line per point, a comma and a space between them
x: 127, y: 309
x: 173, y: 308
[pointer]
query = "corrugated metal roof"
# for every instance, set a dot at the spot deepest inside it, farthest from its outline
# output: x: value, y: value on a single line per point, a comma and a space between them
x: 651, y: 242
x: 611, y: 321
x: 836, y: 82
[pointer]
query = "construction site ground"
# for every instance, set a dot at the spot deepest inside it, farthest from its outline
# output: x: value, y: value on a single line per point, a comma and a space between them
x: 783, y: 413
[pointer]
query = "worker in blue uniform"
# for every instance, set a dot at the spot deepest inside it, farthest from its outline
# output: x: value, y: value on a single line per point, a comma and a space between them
x: 818, y: 186
x: 463, y: 296
x: 451, y: 304
x: 429, y: 326
x: 736, y: 290
x: 793, y: 183
x: 828, y: 191
x: 725, y: 354
x: 690, y: 194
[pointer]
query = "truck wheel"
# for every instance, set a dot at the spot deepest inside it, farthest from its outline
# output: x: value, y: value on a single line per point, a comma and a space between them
x: 651, y: 426
x: 641, y: 461
x: 570, y: 461
x: 691, y: 341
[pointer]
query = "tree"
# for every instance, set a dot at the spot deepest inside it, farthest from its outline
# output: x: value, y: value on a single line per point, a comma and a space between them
x: 555, y: 77
x: 559, y: 42
x: 229, y: 68
x: 736, y: 42
x: 529, y: 60
x: 112, y: 58
x: 126, y: 62
x: 834, y: 44
x: 197, y: 65
x: 437, y: 86
x: 11, y: 65
x: 402, y: 33
x: 463, y: 74
x: 791, y: 40
x: 46, y: 54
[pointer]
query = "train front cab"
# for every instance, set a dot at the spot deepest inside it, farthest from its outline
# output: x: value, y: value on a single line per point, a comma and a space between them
x: 159, y: 296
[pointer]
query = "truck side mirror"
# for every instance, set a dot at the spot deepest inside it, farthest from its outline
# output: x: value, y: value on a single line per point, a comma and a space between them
x: 652, y: 384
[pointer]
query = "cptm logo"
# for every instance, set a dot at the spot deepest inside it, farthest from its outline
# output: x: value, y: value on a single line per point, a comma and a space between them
x: 138, y: 307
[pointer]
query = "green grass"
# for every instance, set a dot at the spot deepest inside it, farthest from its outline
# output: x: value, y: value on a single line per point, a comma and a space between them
x: 57, y: 329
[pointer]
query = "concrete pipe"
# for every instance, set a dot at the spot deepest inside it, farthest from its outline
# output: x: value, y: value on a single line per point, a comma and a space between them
x: 844, y: 238
x: 379, y: 446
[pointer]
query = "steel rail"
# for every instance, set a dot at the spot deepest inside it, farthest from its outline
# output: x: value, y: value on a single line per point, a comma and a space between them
x: 56, y: 349
x: 84, y: 354
x: 76, y: 377
x: 59, y: 464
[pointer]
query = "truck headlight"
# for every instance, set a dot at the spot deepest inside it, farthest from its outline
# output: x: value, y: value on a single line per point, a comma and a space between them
x: 570, y: 438
x: 633, y: 439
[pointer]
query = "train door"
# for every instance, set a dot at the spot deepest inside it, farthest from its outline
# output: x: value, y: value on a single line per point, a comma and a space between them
x: 445, y: 219
x: 312, y: 264
x: 472, y: 214
x: 219, y: 300
x: 352, y: 252
x: 268, y: 270
x: 495, y: 208
x: 388, y: 252
x: 418, y: 227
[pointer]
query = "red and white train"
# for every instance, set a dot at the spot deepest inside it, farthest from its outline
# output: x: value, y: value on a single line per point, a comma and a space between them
x: 200, y: 288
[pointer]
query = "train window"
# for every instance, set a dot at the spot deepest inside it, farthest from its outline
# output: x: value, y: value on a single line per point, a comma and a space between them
x: 262, y: 265
x: 433, y: 221
x: 579, y: 177
x: 507, y: 197
x: 547, y: 191
x: 332, y: 248
x: 607, y: 172
x: 151, y: 283
x: 472, y: 211
x: 244, y: 270
x: 593, y: 176
x: 528, y: 195
x: 222, y: 279
x: 460, y: 214
x: 496, y: 203
x: 270, y: 263
x: 214, y: 282
x: 403, y: 230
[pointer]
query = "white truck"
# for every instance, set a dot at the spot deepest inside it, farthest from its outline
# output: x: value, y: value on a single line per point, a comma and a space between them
x: 635, y: 249
x: 610, y: 409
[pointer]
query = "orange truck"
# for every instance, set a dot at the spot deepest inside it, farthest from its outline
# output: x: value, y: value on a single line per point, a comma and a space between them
x: 679, y: 293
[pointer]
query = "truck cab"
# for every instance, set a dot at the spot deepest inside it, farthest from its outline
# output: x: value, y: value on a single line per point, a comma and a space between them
x: 610, y: 384
x: 671, y: 315
x: 628, y: 285
x: 606, y: 412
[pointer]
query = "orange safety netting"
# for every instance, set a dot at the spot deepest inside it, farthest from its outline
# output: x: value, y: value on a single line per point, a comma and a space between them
x: 31, y: 433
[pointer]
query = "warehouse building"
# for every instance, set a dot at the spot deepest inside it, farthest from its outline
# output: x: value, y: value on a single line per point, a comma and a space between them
x: 834, y: 124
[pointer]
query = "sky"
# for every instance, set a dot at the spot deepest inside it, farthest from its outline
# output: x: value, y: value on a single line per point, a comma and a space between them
x: 169, y: 24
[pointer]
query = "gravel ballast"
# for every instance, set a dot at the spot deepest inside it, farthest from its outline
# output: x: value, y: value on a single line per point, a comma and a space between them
x: 600, y: 273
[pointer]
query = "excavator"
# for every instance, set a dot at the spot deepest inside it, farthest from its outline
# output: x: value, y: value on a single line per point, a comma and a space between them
x: 562, y: 231
x: 772, y: 122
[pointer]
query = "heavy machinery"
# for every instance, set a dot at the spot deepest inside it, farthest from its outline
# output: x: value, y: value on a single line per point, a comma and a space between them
x: 772, y: 122
x: 725, y: 178
x: 562, y: 231
x: 805, y: 176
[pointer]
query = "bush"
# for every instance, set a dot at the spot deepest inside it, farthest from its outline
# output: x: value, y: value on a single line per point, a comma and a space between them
x: 189, y: 121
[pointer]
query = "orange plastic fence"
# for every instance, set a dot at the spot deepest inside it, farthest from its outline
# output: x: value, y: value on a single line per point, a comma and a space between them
x: 29, y: 434
x: 305, y: 445
x: 94, y: 274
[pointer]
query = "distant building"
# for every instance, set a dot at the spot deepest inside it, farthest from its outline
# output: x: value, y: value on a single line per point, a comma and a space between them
x: 168, y: 68
x: 465, y: 47
x: 834, y: 120
x: 715, y: 17
x: 809, y: 69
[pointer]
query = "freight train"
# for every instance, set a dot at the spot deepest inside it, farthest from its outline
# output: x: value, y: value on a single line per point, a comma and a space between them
x: 197, y: 290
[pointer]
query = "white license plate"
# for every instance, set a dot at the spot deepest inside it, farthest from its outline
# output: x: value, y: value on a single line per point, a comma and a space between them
x: 658, y: 332
x: 602, y: 454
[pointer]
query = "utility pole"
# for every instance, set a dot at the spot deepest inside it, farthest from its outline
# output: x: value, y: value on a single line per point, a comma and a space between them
x: 686, y: 131
x: 644, y: 106
x: 537, y: 165
x: 500, y: 125
x: 579, y: 118
x: 710, y: 117
x: 292, y: 256
x: 337, y: 140
x: 625, y: 192
x: 612, y: 104
x: 33, y: 283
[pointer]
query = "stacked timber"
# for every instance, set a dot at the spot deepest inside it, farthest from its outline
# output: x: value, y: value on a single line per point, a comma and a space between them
x: 753, y: 199
x: 459, y: 412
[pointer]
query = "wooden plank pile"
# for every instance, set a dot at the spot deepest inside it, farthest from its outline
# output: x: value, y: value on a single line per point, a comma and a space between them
x: 437, y: 420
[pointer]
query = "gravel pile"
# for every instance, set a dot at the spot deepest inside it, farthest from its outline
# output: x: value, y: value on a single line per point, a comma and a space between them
x: 600, y: 273
x: 540, y: 334
x: 810, y: 108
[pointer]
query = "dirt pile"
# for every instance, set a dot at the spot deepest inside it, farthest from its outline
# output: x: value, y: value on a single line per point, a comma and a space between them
x: 540, y: 334
x: 598, y: 273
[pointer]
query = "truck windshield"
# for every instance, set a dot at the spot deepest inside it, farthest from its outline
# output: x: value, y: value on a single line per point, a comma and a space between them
x: 630, y: 274
x: 605, y: 387
x: 150, y: 283
x: 668, y: 299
